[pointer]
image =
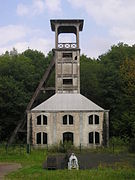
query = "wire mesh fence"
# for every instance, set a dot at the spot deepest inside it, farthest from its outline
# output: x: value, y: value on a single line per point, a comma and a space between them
x: 13, y: 149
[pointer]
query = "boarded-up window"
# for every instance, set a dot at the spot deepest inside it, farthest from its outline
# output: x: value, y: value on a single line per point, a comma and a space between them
x: 67, y: 81
x: 67, y: 55
x: 44, y: 120
x: 44, y: 138
x: 70, y: 119
x: 91, y: 119
x: 39, y: 138
x: 97, y: 138
x: 65, y: 119
x: 96, y: 119
x: 39, y: 120
x: 91, y: 138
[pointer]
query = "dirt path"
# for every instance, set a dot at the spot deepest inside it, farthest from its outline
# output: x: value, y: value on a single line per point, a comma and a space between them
x: 6, y: 168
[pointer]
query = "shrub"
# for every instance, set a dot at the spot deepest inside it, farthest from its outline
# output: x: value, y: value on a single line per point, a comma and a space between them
x: 132, y: 145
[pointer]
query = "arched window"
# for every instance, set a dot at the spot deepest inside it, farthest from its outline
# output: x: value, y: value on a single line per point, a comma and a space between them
x: 91, y: 119
x: 68, y: 136
x: 44, y: 138
x: 97, y: 138
x: 91, y: 138
x: 39, y: 138
x: 70, y: 119
x: 39, y: 120
x: 44, y: 120
x: 67, y: 119
x: 96, y: 119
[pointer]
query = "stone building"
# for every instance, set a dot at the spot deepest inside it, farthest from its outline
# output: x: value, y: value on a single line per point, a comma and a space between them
x: 67, y: 115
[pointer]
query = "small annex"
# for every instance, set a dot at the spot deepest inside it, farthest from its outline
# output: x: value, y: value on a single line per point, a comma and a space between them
x: 67, y: 115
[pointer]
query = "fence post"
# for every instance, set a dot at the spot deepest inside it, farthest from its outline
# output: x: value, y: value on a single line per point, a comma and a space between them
x: 80, y: 147
x: 28, y: 148
x: 6, y: 147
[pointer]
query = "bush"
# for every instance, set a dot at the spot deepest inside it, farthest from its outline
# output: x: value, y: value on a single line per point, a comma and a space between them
x: 62, y: 147
x: 132, y: 145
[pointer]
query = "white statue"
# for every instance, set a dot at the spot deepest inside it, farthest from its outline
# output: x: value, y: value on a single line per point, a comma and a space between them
x: 73, y: 162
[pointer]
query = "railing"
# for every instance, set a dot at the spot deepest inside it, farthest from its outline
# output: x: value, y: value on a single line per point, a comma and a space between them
x: 67, y: 45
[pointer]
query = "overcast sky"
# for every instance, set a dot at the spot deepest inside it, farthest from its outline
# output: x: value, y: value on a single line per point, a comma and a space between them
x: 26, y: 23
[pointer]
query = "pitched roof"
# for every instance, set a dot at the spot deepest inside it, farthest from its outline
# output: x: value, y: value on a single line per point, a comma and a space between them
x: 67, y: 102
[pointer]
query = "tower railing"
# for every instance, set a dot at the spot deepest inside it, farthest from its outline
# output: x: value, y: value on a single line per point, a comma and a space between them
x: 67, y: 45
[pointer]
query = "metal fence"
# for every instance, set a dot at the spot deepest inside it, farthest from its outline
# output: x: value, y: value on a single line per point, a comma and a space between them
x: 14, y: 149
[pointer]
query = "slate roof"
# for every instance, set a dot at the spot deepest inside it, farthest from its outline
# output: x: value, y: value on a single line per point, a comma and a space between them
x: 67, y: 102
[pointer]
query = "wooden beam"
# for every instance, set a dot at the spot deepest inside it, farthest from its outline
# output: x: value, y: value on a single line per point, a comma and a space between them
x: 42, y: 82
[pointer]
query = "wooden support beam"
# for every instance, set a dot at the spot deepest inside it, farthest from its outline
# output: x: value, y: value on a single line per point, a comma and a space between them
x: 48, y: 89
x: 23, y: 121
x: 42, y: 82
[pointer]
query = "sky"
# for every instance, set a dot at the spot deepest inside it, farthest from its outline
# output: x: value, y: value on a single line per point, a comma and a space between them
x: 26, y: 24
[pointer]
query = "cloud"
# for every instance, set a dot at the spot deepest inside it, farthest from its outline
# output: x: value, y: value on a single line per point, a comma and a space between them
x: 108, y: 13
x: 22, y: 9
x: 22, y: 37
x: 12, y: 32
x: 117, y: 17
x: 38, y: 7
x: 96, y: 46
x: 53, y: 5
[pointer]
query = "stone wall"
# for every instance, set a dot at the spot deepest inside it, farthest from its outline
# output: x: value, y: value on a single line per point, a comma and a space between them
x: 80, y: 127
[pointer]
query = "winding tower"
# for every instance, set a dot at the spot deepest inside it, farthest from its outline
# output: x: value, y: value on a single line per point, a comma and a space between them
x: 67, y: 115
x: 67, y: 56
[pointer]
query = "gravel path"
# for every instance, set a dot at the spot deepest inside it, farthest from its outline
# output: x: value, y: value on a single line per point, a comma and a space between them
x: 6, y: 168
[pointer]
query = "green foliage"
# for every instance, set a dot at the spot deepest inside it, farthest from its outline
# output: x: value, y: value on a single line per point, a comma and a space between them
x: 109, y: 81
x: 19, y: 77
x: 62, y: 147
x: 132, y: 146
x: 32, y: 167
x: 36, y: 172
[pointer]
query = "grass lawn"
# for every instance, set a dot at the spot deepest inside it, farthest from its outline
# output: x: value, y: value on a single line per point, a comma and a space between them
x: 32, y: 168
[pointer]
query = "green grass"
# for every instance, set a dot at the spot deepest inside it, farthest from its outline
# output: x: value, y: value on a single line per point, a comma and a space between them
x: 32, y: 167
x: 36, y: 172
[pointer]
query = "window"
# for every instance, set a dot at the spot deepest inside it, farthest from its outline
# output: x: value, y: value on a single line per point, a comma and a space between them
x: 70, y: 119
x: 39, y: 120
x: 67, y: 55
x: 96, y: 138
x: 96, y: 119
x: 39, y: 138
x: 67, y: 119
x: 44, y: 120
x: 91, y: 137
x: 68, y: 136
x: 67, y: 81
x: 91, y: 119
x: 44, y: 138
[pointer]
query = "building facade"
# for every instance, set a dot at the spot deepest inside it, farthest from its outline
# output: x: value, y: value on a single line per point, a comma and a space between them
x: 67, y: 115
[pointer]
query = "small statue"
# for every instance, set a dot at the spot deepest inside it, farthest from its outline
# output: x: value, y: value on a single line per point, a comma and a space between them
x: 73, y: 162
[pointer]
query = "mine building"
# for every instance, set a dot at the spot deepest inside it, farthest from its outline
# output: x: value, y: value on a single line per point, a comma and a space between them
x: 67, y: 115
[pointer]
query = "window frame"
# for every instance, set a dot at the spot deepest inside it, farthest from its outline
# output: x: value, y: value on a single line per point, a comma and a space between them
x: 94, y: 121
x: 42, y: 116
x: 68, y: 119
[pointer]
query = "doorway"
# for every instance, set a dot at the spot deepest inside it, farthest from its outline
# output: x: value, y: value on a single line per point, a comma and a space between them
x: 68, y: 136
